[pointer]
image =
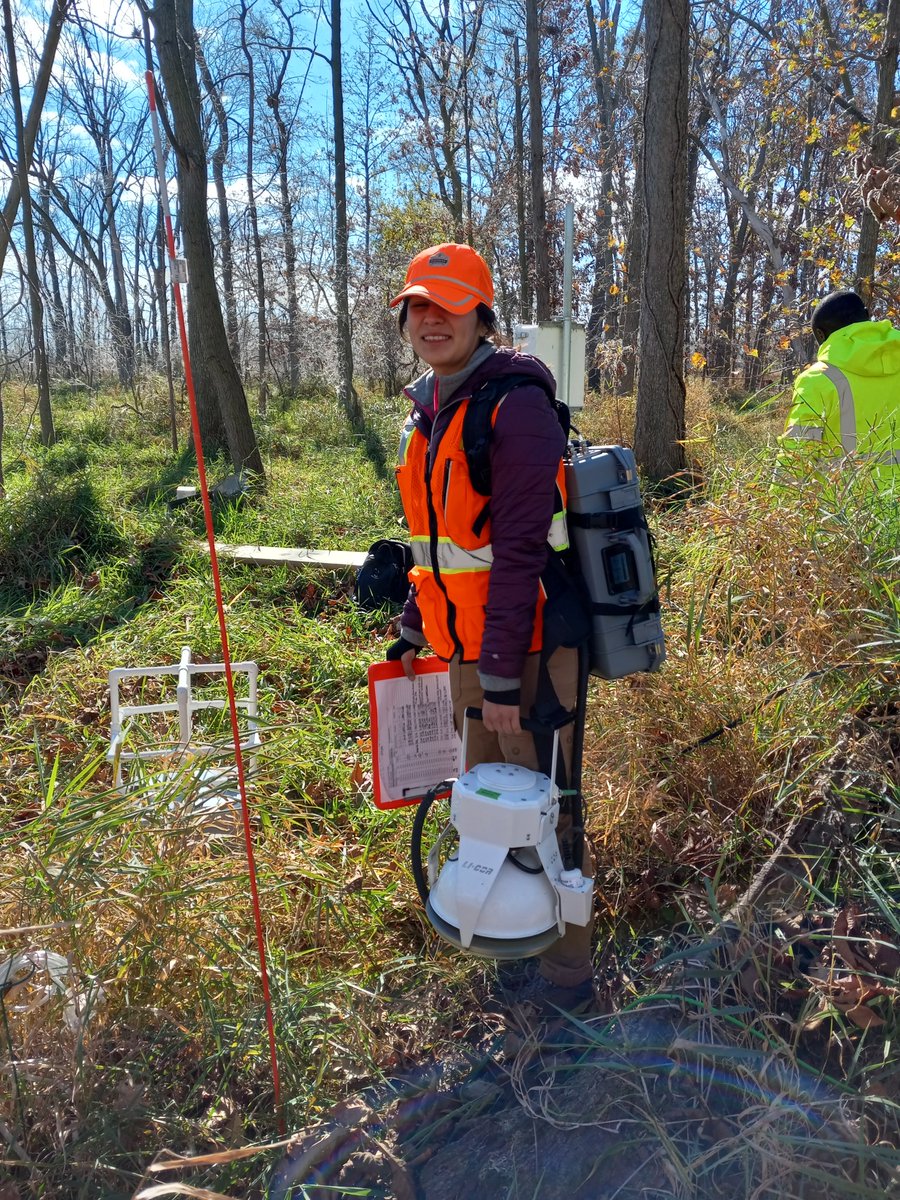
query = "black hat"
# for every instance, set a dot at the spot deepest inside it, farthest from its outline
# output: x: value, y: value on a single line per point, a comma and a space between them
x: 837, y: 310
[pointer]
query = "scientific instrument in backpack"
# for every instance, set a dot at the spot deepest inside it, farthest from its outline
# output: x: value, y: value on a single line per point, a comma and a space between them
x: 504, y: 891
x: 609, y: 565
x: 612, y: 547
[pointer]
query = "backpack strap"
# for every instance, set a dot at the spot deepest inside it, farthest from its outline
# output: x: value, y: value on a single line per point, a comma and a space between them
x: 478, y: 425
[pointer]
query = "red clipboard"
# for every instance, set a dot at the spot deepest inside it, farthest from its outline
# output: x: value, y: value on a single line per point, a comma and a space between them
x: 414, y: 742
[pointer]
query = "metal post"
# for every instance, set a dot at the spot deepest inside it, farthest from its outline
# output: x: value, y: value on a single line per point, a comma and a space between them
x: 568, y: 256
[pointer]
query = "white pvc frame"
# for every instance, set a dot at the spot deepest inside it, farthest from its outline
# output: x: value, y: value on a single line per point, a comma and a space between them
x: 185, y: 706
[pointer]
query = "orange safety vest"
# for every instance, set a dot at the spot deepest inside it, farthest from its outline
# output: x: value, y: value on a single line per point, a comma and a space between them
x: 452, y: 562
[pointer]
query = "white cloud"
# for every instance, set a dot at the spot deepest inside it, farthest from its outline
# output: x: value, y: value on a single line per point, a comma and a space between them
x: 122, y: 17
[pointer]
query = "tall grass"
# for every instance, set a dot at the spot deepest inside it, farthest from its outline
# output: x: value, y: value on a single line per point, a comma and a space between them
x: 781, y: 620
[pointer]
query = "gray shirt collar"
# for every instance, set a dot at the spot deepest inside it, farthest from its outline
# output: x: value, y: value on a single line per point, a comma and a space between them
x: 422, y: 390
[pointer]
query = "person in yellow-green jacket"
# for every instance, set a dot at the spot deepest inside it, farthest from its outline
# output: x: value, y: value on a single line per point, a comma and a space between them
x: 845, y: 411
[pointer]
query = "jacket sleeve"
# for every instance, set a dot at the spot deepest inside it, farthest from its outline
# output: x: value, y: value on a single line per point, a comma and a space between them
x: 526, y: 449
x: 411, y: 620
x: 808, y: 439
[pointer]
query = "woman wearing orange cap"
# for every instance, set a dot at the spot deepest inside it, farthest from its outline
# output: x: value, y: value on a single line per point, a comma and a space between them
x: 476, y: 592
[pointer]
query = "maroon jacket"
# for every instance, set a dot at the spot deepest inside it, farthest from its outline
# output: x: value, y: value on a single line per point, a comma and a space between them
x: 526, y: 447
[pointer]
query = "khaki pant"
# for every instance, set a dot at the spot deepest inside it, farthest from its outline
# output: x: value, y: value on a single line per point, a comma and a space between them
x: 568, y: 961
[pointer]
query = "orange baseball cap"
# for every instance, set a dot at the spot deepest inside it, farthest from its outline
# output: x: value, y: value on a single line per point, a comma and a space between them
x: 452, y: 275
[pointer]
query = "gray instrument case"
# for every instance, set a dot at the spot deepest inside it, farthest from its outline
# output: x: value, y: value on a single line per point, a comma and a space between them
x: 608, y: 531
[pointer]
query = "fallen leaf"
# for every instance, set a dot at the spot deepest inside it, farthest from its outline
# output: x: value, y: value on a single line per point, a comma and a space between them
x: 864, y: 1017
x: 662, y: 841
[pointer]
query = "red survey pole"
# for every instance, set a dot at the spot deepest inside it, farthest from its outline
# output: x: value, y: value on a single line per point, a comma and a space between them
x: 178, y: 275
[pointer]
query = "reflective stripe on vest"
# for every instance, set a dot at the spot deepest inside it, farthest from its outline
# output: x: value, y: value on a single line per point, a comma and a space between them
x: 804, y: 433
x: 406, y: 433
x: 847, y: 407
x: 450, y: 557
x: 452, y: 580
x: 453, y: 558
x: 847, y: 420
x: 558, y: 537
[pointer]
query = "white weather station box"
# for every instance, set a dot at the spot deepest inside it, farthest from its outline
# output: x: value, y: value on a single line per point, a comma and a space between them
x: 547, y: 342
x: 561, y: 344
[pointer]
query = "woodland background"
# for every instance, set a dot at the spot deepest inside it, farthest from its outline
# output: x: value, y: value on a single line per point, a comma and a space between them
x: 743, y: 802
x: 337, y: 144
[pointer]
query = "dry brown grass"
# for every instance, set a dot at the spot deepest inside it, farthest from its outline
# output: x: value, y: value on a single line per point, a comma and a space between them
x: 757, y: 592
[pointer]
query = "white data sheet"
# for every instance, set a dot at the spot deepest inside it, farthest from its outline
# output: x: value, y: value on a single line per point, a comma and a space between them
x: 414, y: 742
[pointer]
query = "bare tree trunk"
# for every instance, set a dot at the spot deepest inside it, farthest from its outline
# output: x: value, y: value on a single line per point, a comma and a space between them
x: 521, y: 207
x: 70, y: 315
x: 2, y: 481
x: 722, y: 350
x: 366, y: 150
x: 603, y: 315
x: 137, y: 315
x: 35, y: 108
x: 162, y: 301
x: 634, y: 268
x: 753, y: 363
x: 217, y: 160
x: 262, y: 336
x: 224, y: 404
x: 58, y: 312
x: 346, y: 392
x: 48, y: 433
x: 120, y: 319
x: 887, y: 72
x: 660, y: 417
x: 290, y: 246
x: 533, y: 12
x: 467, y: 126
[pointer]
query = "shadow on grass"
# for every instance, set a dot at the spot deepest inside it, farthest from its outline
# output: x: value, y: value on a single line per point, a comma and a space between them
x: 163, y: 487
x: 53, y: 529
x: 68, y: 572
x: 373, y: 445
x: 28, y: 632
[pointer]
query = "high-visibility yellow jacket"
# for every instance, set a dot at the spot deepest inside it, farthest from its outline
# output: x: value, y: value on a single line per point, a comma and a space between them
x: 846, y: 406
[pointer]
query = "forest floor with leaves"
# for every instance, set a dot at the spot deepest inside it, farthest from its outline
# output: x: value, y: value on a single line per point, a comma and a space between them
x: 749, y: 937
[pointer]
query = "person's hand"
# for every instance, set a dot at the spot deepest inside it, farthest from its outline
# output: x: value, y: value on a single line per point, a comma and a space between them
x: 500, y: 718
x: 407, y: 658
x: 405, y: 653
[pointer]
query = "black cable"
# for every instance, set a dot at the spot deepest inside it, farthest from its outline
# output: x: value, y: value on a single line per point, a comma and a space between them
x: 577, y: 800
x: 420, y: 873
x: 538, y: 870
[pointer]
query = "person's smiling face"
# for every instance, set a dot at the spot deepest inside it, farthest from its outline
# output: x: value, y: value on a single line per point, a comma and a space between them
x: 444, y: 340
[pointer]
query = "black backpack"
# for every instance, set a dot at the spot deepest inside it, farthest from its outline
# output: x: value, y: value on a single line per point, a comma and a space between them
x: 566, y: 611
x: 478, y: 426
x: 383, y: 579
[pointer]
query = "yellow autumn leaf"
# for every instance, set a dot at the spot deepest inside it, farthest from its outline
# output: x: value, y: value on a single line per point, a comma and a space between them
x: 751, y: 353
x: 614, y: 289
x: 784, y: 342
x: 698, y: 362
x: 805, y: 196
x: 849, y: 221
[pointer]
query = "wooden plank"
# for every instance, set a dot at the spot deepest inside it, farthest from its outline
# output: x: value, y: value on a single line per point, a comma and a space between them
x: 292, y: 555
